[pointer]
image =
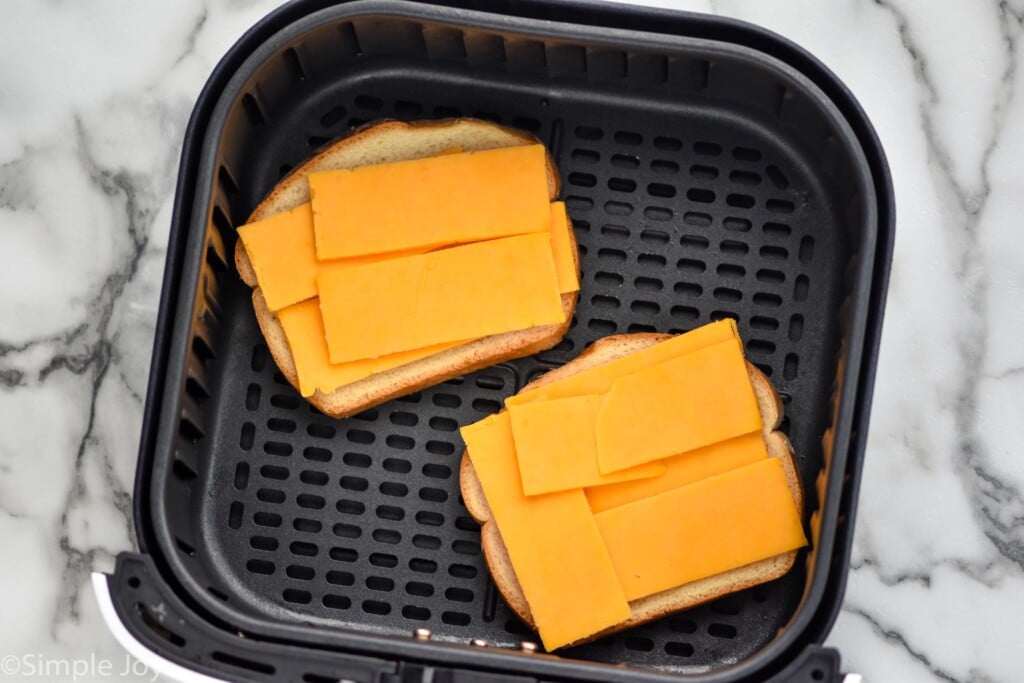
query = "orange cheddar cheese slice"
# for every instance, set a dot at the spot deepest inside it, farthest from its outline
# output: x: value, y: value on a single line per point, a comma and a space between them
x: 281, y: 252
x: 465, y: 292
x: 711, y: 526
x: 676, y: 406
x: 304, y: 330
x: 561, y: 247
x: 431, y: 202
x: 557, y: 450
x: 599, y: 379
x: 282, y: 255
x: 553, y: 543
x: 680, y: 470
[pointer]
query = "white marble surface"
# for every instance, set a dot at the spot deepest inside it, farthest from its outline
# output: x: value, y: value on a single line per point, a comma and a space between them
x: 94, y: 97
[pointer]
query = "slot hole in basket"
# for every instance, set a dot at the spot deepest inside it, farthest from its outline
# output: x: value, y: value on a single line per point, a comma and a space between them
x: 336, y: 602
x: 731, y: 270
x: 202, y: 350
x: 745, y: 178
x: 350, y: 507
x: 260, y: 567
x: 455, y: 618
x: 426, y: 541
x: 790, y: 367
x: 774, y: 229
x: 638, y: 643
x: 383, y: 560
x: 679, y: 649
x: 740, y: 201
x: 340, y: 578
x: 350, y: 483
x: 241, y: 476
x: 306, y: 525
x: 252, y: 396
x: 422, y: 566
x: 387, y: 536
x: 299, y: 572
x: 391, y: 488
x: 688, y: 289
x: 702, y: 172
x: 228, y: 184
x: 664, y: 166
x: 235, y: 513
x: 397, y: 465
x: 263, y: 543
x: 377, y: 607
x: 189, y: 431
x: 267, y: 519
x: 316, y: 454
x: 183, y: 471
x: 462, y: 571
x: 253, y: 110
x: 700, y: 195
x: 196, y: 390
x: 725, y: 631
x: 416, y: 613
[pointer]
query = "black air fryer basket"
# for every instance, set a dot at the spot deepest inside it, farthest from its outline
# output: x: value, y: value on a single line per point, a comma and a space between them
x: 711, y: 170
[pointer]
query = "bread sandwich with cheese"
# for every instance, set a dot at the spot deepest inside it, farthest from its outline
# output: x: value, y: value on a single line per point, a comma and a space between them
x: 366, y: 378
x: 577, y: 564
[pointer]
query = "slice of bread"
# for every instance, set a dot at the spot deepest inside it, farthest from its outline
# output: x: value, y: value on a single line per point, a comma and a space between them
x: 678, y: 598
x: 385, y: 142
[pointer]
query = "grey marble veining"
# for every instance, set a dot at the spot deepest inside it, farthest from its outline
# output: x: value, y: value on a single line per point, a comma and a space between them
x: 94, y: 98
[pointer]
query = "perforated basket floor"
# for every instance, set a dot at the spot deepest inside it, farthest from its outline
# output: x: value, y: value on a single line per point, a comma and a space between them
x: 685, y: 210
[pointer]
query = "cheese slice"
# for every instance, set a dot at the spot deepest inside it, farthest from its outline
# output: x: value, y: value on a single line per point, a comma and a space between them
x: 281, y: 251
x: 681, y: 470
x: 464, y: 292
x: 562, y: 248
x: 557, y: 450
x: 553, y: 544
x: 696, y: 531
x: 283, y: 256
x: 431, y: 202
x: 599, y: 379
x: 304, y: 330
x: 676, y: 406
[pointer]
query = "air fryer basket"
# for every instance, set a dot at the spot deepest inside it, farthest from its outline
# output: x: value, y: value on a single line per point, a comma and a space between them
x: 704, y: 180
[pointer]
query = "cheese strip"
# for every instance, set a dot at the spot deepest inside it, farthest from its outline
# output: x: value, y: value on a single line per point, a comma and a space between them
x: 304, y: 330
x: 599, y: 379
x: 681, y: 470
x: 464, y: 292
x: 562, y: 248
x: 283, y: 256
x: 281, y: 251
x: 676, y: 406
x: 431, y: 202
x: 557, y: 450
x: 700, y: 530
x: 553, y: 544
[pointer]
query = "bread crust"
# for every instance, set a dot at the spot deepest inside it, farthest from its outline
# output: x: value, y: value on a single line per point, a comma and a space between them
x: 383, y: 142
x: 674, y: 599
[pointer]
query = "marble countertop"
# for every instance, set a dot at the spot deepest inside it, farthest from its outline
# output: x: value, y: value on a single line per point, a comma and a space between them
x: 94, y: 98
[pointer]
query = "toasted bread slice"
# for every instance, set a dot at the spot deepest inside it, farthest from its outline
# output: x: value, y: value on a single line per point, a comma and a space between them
x: 678, y: 598
x: 384, y: 142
